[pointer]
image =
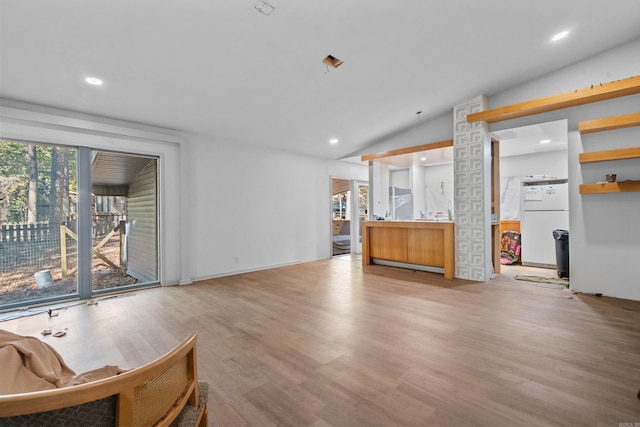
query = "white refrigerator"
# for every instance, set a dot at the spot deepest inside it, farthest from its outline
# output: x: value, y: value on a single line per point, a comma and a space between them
x: 544, y: 208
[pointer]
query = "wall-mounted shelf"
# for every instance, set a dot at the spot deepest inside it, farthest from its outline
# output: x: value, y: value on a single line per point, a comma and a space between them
x: 595, y: 93
x: 603, y: 156
x: 609, y: 123
x: 610, y: 187
x: 600, y: 125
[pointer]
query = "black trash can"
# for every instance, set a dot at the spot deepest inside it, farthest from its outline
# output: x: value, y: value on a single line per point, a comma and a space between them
x: 562, y: 252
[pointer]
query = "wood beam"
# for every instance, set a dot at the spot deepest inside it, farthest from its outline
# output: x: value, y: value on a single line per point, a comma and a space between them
x: 609, y: 123
x: 595, y: 93
x: 408, y: 150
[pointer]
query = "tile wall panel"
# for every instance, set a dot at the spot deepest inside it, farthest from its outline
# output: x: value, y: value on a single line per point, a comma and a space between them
x: 469, y: 191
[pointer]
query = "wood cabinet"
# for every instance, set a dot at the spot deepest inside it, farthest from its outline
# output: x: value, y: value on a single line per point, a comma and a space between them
x: 425, y: 247
x: 509, y: 224
x: 388, y: 243
x: 410, y: 243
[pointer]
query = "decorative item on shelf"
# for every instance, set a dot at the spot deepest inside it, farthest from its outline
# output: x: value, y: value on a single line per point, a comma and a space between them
x: 611, y: 177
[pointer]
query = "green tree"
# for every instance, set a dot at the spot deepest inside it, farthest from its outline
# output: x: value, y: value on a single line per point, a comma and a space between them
x: 36, y: 181
x: 32, y: 202
x: 14, y: 181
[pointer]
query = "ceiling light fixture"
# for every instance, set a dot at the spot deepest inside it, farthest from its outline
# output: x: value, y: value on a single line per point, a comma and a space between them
x: 423, y: 159
x: 93, y: 81
x: 333, y: 141
x: 545, y: 141
x: 560, y: 36
x: 264, y: 7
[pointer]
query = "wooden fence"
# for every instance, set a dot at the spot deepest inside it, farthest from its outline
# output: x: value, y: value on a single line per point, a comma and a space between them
x: 18, y: 233
x: 102, y: 224
x: 64, y: 232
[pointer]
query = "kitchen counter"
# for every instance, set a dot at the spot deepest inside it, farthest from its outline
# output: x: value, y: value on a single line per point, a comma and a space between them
x: 421, y: 245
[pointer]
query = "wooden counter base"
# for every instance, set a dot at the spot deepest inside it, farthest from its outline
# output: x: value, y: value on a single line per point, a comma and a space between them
x: 410, y: 242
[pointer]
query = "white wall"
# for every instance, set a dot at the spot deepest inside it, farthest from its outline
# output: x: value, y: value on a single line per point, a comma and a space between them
x: 349, y: 170
x: 399, y: 178
x: 615, y: 64
x: 553, y: 163
x: 379, y: 192
x: 254, y: 208
x: 514, y: 168
x: 418, y: 191
x: 604, y: 238
x: 439, y: 189
x: 427, y: 131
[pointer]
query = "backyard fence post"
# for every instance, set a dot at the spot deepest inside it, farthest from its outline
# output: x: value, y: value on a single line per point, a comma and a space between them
x: 63, y: 250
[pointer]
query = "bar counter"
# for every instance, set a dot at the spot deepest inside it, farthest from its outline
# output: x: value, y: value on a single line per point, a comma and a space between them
x: 420, y: 245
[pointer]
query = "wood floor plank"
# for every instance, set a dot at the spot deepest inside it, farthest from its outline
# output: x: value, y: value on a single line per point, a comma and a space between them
x: 332, y: 343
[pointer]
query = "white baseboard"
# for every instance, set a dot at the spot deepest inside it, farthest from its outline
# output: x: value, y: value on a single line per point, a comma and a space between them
x: 245, y: 270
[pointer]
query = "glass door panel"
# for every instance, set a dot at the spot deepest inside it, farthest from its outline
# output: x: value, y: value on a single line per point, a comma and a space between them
x: 125, y: 248
x: 38, y: 223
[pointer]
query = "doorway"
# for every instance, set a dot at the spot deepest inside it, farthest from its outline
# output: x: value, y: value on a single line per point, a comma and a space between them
x: 349, y: 208
x: 341, y: 203
x: 125, y: 220
x: 533, y: 175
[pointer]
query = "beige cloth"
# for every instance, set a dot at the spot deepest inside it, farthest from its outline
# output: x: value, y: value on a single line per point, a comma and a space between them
x: 28, y: 364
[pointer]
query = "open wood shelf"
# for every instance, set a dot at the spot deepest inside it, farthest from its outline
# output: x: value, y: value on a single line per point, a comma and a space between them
x: 609, y: 123
x: 603, y: 156
x: 610, y: 187
x: 595, y: 93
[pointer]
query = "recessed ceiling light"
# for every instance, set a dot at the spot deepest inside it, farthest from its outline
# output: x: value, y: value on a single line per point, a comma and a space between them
x: 333, y: 141
x: 423, y: 159
x: 93, y: 81
x: 560, y: 36
x: 545, y: 141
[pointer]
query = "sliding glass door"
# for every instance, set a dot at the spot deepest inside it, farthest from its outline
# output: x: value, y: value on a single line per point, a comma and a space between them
x: 75, y: 222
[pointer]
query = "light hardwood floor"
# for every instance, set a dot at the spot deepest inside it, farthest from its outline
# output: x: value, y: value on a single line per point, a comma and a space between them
x: 330, y: 343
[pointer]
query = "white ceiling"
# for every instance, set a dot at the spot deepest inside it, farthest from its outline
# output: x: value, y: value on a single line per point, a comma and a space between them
x: 513, y: 142
x: 527, y: 139
x: 226, y: 71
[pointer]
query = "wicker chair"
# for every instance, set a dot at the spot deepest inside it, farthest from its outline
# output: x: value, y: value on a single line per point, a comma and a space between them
x: 164, y: 392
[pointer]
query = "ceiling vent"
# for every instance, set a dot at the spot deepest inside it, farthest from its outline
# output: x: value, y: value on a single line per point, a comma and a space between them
x: 264, y: 7
x: 332, y: 61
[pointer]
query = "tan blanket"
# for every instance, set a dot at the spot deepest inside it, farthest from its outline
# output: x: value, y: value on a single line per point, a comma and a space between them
x: 28, y: 364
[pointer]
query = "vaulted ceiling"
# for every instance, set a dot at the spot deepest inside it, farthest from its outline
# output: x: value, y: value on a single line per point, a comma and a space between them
x: 230, y: 73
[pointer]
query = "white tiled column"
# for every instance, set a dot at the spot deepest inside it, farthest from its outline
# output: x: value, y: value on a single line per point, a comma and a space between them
x: 472, y: 181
